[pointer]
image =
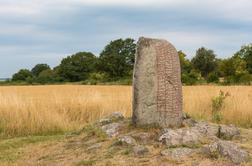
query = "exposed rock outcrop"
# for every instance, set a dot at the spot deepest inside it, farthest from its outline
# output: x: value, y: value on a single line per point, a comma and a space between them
x: 180, y: 137
x: 227, y: 149
x: 177, y: 153
x: 112, y: 129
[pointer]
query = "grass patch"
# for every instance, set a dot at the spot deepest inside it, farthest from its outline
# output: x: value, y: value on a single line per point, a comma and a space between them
x: 10, y: 149
x: 111, y: 152
x: 86, y: 163
x: 93, y: 131
x: 127, y: 151
x: 22, y: 141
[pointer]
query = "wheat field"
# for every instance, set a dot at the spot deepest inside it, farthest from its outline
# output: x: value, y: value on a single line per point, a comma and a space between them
x: 36, y: 110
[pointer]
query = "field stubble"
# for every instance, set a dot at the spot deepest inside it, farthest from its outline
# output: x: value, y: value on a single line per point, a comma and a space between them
x: 26, y: 110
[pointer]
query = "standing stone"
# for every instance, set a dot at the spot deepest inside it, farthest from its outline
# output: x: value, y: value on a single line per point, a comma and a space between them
x: 157, y: 88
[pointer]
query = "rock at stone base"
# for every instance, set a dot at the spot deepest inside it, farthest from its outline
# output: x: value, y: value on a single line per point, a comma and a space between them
x: 228, y: 132
x: 214, y: 131
x: 177, y: 153
x: 140, y: 150
x: 189, y: 122
x: 143, y: 137
x: 207, y: 129
x: 105, y: 121
x: 128, y: 140
x: 227, y: 149
x: 180, y: 137
x: 112, y: 129
x: 115, y: 116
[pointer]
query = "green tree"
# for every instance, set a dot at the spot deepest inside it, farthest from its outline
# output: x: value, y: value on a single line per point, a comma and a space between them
x: 234, y: 70
x: 191, y: 78
x: 36, y: 70
x: 213, y: 77
x: 22, y: 75
x: 185, y: 64
x: 117, y: 58
x: 233, y: 66
x: 46, y: 76
x: 77, y: 67
x: 246, y: 54
x: 204, y: 61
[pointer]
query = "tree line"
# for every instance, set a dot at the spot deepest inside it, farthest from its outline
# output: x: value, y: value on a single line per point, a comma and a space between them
x: 115, y: 64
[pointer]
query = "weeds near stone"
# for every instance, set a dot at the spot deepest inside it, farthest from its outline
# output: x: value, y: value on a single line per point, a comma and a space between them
x: 217, y: 105
x: 93, y: 131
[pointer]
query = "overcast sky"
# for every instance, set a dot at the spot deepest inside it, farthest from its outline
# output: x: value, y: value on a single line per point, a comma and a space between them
x: 45, y: 31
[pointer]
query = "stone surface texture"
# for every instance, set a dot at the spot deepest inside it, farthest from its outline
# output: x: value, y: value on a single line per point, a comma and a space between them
x: 177, y: 153
x: 180, y: 137
x: 200, y: 138
x: 207, y: 129
x: 127, y: 140
x: 157, y: 88
x: 228, y: 132
x: 229, y: 150
x: 111, y: 129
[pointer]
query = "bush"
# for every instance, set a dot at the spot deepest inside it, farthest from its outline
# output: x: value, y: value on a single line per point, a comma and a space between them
x: 217, y: 105
x: 213, y: 77
x: 30, y: 80
x: 190, y: 78
x: 36, y: 70
x: 243, y: 78
x: 96, y: 78
x: 22, y: 75
x: 99, y: 77
x: 46, y: 76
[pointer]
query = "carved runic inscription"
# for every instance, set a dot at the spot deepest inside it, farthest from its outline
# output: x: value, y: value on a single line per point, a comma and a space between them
x: 168, y: 100
x: 157, y: 89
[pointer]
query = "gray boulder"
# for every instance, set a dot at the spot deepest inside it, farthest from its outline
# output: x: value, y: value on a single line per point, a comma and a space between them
x: 112, y: 129
x: 140, y: 150
x: 113, y: 117
x: 213, y: 131
x: 228, y: 132
x: 227, y: 149
x: 177, y: 153
x: 181, y: 137
x: 171, y: 137
x: 207, y: 129
x: 127, y: 140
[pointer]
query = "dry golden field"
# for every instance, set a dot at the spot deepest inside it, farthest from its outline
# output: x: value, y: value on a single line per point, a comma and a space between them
x: 28, y: 110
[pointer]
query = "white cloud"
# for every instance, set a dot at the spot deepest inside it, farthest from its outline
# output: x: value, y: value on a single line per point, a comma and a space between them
x: 224, y: 44
x: 39, y: 27
x: 240, y: 10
